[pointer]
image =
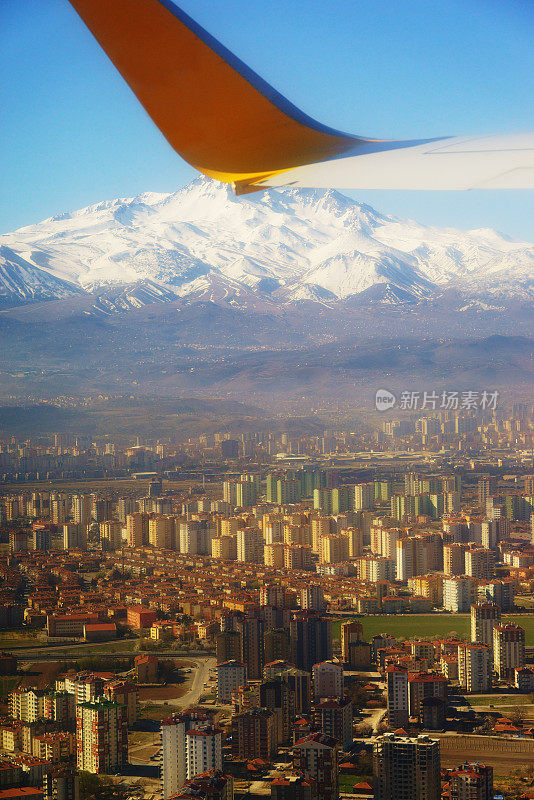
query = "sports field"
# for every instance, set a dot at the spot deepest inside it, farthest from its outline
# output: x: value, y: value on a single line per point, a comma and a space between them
x: 406, y: 626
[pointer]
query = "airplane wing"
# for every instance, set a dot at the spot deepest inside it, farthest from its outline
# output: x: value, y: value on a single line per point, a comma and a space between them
x: 228, y: 123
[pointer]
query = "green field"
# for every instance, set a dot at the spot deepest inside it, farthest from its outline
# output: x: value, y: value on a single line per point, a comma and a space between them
x: 499, y: 700
x: 424, y: 626
x: 16, y: 639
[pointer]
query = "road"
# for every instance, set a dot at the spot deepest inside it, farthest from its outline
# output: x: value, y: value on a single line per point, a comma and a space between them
x: 198, y: 684
x: 144, y: 757
x: 376, y: 718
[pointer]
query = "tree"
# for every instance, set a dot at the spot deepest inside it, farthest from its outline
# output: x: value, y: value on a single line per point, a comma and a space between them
x: 518, y: 715
x: 486, y: 725
x: 90, y: 785
x: 100, y: 787
x: 383, y: 727
x: 363, y: 729
x: 365, y: 763
x: 358, y: 694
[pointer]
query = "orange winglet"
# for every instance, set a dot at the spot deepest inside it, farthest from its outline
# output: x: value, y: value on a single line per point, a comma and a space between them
x: 214, y: 111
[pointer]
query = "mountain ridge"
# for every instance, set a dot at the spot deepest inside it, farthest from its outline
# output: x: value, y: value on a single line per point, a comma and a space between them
x: 279, y: 247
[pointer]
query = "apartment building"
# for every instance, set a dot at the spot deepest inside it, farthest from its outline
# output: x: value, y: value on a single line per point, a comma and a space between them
x: 316, y: 757
x: 484, y: 616
x: 230, y: 676
x: 254, y: 734
x: 508, y: 650
x: 458, y: 593
x: 336, y: 719
x: 327, y: 678
x: 406, y: 768
x: 350, y: 632
x: 474, y: 667
x: 471, y: 782
x: 398, y: 698
x: 203, y: 748
x: 101, y: 736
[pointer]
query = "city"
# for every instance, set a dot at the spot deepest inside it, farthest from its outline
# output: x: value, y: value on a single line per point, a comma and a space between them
x: 346, y: 613
x: 266, y: 407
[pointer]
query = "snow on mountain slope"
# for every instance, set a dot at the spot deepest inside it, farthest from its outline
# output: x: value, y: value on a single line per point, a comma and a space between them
x: 24, y: 282
x: 293, y: 245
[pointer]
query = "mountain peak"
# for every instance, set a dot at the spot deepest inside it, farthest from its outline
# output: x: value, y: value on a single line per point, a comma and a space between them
x: 206, y: 189
x: 288, y: 245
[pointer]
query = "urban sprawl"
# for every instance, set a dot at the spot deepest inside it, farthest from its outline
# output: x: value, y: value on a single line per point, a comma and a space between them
x: 293, y: 615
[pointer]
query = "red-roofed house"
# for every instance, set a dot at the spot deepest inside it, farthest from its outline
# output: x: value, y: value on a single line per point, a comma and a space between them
x: 100, y: 632
x: 293, y: 787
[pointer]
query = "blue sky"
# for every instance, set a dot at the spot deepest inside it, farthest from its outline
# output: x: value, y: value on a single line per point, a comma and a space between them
x: 72, y: 133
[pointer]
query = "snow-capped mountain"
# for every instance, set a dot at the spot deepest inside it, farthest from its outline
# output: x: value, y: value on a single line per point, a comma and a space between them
x: 288, y: 246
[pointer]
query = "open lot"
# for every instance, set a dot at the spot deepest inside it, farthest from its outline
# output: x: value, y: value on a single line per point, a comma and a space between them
x: 502, y: 763
x: 156, y: 711
x: 170, y: 691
